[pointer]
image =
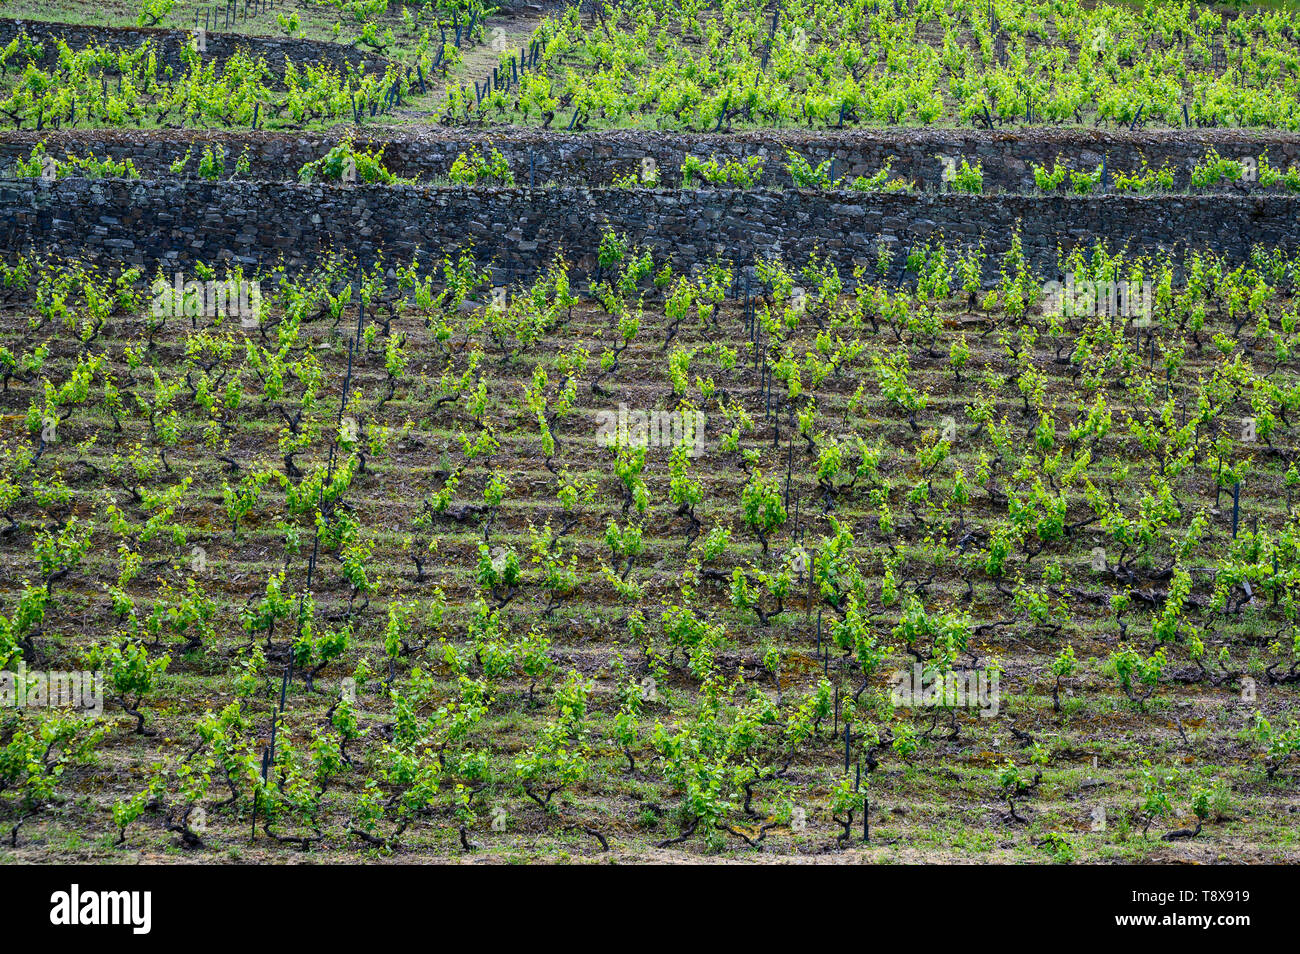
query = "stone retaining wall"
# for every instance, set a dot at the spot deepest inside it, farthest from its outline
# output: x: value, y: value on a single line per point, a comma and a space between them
x: 169, y: 43
x: 594, y: 158
x: 517, y: 230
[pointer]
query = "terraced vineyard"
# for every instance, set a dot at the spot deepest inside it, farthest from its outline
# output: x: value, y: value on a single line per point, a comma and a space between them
x: 449, y: 547
x: 638, y: 535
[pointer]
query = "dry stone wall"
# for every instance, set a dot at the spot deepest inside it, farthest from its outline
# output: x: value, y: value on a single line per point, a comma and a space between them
x: 517, y: 230
x: 170, y: 43
x: 594, y: 159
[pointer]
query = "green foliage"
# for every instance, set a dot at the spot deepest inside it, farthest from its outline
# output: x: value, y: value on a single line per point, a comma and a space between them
x: 344, y: 163
x: 152, y: 12
x: 470, y: 169
x: 89, y: 167
x: 36, y: 750
x: 741, y: 173
x: 805, y: 175
x: 561, y: 755
x: 130, y: 674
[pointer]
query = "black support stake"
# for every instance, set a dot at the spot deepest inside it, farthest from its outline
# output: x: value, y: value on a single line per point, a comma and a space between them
x: 1236, y: 507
